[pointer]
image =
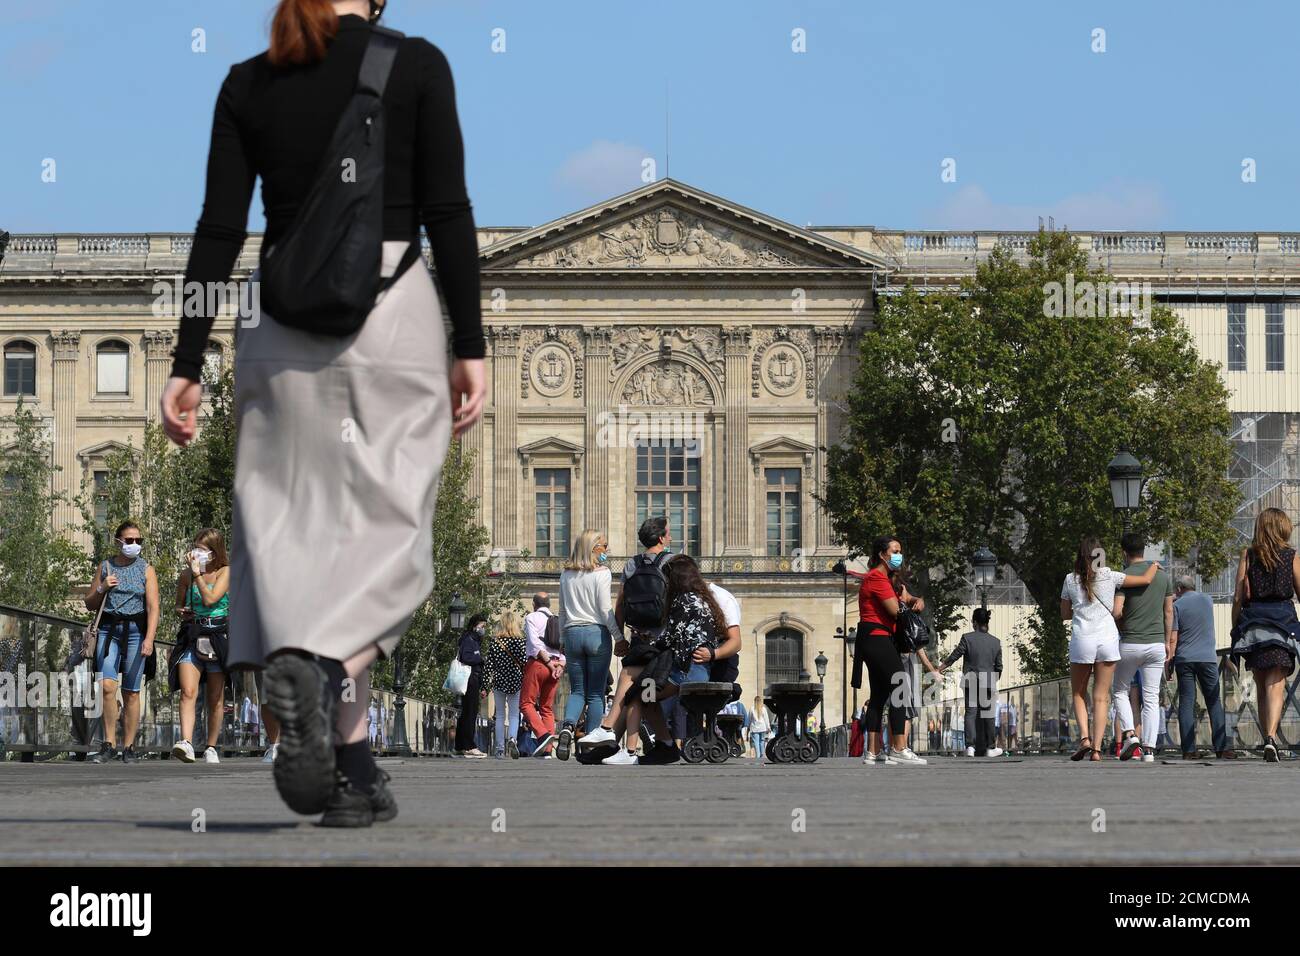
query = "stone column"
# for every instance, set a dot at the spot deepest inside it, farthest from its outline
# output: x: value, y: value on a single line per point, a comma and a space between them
x: 67, y: 480
x: 157, y: 368
x: 597, y: 399
x: 505, y: 437
x: 738, y: 473
x: 829, y: 340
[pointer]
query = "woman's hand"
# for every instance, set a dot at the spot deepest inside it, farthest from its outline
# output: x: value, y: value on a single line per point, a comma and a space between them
x: 110, y: 582
x: 146, y: 647
x: 468, y: 392
x: 180, y: 402
x: 918, y: 605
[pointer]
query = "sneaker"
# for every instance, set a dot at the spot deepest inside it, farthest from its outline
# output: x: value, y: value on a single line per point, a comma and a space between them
x: 661, y: 754
x: 970, y: 751
x: 598, y: 736
x: 1148, y: 758
x: 211, y: 756
x: 995, y: 752
x: 908, y: 757
x: 1191, y: 756
x: 129, y: 756
x: 474, y: 754
x: 298, y: 691
x: 1226, y: 755
x: 269, y: 756
x: 106, y: 753
x: 881, y: 759
x: 354, y: 806
x: 1129, y: 748
x: 512, y: 748
x: 1270, y: 751
x: 624, y: 758
x: 184, y: 751
x: 498, y: 755
x: 541, y: 753
x: 566, y: 743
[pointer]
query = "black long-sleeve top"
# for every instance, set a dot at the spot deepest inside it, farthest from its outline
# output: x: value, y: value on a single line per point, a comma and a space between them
x: 276, y: 122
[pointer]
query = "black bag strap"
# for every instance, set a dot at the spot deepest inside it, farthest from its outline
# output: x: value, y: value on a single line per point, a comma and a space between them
x: 381, y: 51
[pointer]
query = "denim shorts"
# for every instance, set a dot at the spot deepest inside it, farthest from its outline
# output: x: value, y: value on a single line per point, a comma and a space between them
x: 694, y: 674
x: 109, y: 658
x: 188, y: 656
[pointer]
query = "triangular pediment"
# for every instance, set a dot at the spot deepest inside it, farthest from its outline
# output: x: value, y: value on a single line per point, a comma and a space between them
x: 550, y: 446
x: 668, y: 225
x: 781, y: 446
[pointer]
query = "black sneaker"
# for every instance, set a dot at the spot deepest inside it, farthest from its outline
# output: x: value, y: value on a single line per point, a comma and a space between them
x: 106, y: 753
x: 353, y: 806
x: 129, y: 756
x: 662, y: 753
x: 1270, y: 750
x: 565, y: 745
x: 298, y: 692
x: 512, y: 749
x: 542, y: 743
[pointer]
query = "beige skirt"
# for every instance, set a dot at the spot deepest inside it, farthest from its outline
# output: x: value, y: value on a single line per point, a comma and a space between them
x: 340, y: 447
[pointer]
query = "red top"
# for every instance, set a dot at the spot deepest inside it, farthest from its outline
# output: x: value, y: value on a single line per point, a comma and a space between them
x: 875, y: 591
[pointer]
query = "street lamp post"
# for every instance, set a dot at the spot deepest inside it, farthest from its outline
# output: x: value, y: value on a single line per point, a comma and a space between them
x: 820, y: 661
x: 1125, y: 475
x: 986, y: 569
x: 851, y: 641
x: 401, y: 746
x: 456, y: 613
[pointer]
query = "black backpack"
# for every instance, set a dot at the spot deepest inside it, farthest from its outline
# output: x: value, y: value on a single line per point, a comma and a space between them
x: 645, y: 593
x: 553, y: 637
x: 324, y: 274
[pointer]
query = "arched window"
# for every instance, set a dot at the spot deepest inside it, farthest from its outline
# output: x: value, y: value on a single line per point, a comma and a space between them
x: 20, y: 369
x: 784, y: 657
x: 112, y: 367
x: 212, y: 359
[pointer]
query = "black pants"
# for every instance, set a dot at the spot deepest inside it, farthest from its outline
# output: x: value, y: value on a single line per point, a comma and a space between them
x: 467, y: 725
x: 885, y: 671
x: 981, y: 705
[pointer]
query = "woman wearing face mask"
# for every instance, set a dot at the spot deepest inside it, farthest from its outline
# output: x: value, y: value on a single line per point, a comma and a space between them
x: 359, y: 340
x: 128, y: 589
x: 878, y: 607
x: 587, y: 621
x: 470, y: 653
x: 203, y: 600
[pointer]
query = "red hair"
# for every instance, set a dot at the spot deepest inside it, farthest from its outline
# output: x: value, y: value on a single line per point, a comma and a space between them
x: 301, y: 31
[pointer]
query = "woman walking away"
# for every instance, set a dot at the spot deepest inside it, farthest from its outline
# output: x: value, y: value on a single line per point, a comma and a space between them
x: 1264, y: 626
x: 878, y: 609
x: 344, y: 401
x: 203, y: 600
x: 760, y: 723
x: 470, y: 653
x: 504, y: 666
x: 127, y: 588
x: 587, y: 620
x: 1091, y: 602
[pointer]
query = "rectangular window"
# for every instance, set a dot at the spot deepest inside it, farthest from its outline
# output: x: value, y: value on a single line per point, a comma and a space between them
x: 211, y: 369
x: 668, y: 485
x: 1236, y: 336
x: 1274, y: 337
x: 20, y: 370
x: 111, y: 371
x: 784, y: 511
x: 552, y: 508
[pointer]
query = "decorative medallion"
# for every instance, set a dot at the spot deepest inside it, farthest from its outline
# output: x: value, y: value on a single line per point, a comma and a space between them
x: 552, y: 370
x: 782, y: 358
x: 552, y: 362
x: 782, y: 367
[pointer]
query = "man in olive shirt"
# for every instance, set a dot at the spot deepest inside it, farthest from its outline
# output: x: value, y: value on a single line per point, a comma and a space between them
x: 1146, y: 628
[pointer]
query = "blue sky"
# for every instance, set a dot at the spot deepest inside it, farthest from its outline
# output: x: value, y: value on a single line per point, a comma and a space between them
x: 1150, y: 134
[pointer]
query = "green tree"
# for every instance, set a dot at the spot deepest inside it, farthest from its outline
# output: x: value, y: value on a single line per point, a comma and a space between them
x: 985, y: 416
x: 462, y: 565
x: 38, y: 565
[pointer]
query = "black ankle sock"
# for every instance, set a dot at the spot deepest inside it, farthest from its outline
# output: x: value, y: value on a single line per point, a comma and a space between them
x: 357, y: 763
x: 335, y: 675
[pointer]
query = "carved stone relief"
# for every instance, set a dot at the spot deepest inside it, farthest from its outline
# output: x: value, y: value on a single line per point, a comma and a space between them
x: 628, y: 344
x: 782, y: 358
x: 552, y: 363
x: 667, y: 383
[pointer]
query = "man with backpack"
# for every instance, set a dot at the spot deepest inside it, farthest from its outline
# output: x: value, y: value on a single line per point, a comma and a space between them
x: 545, y: 643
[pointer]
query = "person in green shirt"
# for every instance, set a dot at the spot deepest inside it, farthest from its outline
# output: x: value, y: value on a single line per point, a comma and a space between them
x: 1146, y: 622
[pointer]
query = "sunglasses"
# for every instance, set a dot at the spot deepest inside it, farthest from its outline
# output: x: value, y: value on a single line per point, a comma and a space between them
x: 131, y: 540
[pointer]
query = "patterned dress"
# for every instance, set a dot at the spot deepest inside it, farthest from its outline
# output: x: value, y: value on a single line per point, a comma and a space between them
x: 503, y: 664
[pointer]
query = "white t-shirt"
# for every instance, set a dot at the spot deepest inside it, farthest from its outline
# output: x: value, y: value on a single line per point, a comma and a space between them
x: 1093, y: 618
x: 728, y: 604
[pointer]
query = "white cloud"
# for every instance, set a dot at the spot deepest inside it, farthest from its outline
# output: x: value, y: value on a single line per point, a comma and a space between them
x: 602, y: 169
x: 1116, y: 205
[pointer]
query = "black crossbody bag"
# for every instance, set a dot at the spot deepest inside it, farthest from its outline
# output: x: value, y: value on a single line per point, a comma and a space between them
x: 324, y: 275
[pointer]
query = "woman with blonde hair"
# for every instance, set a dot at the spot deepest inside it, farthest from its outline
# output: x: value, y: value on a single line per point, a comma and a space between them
x: 503, y: 666
x: 1264, y: 626
x: 203, y: 601
x: 587, y: 620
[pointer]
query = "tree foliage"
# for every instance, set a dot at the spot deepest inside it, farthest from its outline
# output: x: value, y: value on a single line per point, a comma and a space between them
x: 982, y: 417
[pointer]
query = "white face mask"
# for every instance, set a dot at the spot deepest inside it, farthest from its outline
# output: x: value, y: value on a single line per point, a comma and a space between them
x: 131, y: 550
x: 202, y: 556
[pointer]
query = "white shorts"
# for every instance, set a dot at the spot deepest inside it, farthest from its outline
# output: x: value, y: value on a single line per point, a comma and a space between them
x: 1093, y: 648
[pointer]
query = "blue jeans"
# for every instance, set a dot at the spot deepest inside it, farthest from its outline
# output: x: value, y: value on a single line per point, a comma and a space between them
x: 1205, y: 673
x: 696, y: 673
x: 108, y: 658
x: 757, y: 740
x: 589, y: 650
x: 506, y: 703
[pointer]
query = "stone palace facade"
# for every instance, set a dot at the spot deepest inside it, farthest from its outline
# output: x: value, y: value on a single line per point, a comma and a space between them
x: 664, y: 352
